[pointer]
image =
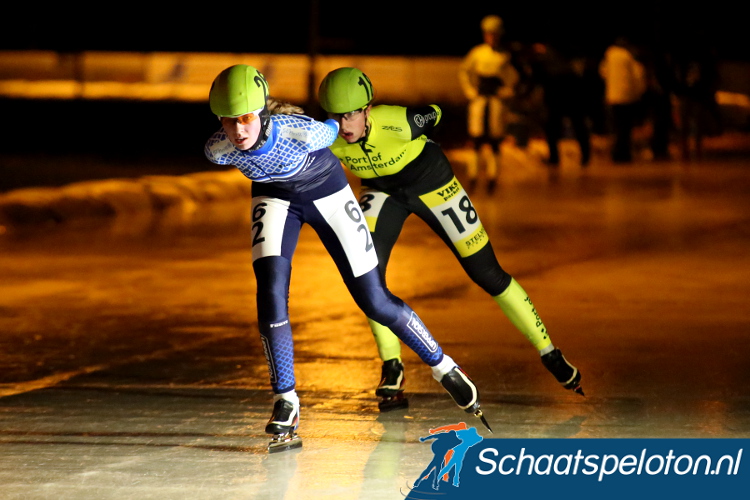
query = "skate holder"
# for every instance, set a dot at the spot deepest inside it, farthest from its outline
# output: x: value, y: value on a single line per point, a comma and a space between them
x: 283, y: 442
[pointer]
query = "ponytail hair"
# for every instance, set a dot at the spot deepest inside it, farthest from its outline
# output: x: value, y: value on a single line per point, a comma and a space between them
x: 276, y: 107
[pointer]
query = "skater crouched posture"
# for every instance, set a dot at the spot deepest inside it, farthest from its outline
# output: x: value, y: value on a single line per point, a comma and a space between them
x: 297, y: 180
x: 404, y: 173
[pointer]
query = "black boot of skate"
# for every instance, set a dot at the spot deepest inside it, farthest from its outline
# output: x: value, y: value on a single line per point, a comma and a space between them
x: 565, y: 373
x: 283, y: 425
x: 391, y: 387
x: 464, y: 392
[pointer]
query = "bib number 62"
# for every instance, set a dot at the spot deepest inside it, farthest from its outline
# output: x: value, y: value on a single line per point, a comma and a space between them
x: 355, y: 214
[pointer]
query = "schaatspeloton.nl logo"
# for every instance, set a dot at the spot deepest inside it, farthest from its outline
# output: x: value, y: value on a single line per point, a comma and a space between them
x: 464, y: 463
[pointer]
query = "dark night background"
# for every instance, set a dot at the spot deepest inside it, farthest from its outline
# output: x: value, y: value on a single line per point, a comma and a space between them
x: 373, y: 28
x: 101, y: 139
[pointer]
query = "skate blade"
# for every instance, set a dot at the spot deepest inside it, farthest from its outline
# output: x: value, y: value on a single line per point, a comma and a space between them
x: 479, y: 414
x: 392, y: 404
x: 283, y: 442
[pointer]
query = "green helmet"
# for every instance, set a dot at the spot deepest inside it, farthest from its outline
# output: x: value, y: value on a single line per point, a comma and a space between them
x: 344, y: 90
x: 238, y: 90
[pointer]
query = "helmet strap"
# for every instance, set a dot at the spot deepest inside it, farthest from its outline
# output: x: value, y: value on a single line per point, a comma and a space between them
x: 265, y: 129
x: 367, y: 130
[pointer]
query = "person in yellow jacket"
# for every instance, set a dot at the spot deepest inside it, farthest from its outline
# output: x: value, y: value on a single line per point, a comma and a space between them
x: 403, y: 172
x: 488, y: 80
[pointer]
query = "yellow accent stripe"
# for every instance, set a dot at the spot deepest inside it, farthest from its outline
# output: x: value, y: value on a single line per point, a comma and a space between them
x: 441, y: 195
x: 371, y: 221
x: 389, y: 345
x: 472, y: 243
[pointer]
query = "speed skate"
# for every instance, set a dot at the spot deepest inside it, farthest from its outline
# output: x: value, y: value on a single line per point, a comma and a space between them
x: 283, y: 442
x: 391, y: 403
x: 283, y: 425
x: 391, y: 387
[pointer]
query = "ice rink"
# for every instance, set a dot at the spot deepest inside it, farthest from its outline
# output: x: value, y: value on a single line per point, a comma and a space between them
x: 132, y: 366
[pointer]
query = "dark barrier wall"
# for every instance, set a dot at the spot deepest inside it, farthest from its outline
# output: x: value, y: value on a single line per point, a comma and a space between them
x: 132, y: 128
x: 56, y: 142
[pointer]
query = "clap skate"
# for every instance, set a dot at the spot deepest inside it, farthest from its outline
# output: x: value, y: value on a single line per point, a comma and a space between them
x: 391, y: 387
x: 464, y: 393
x: 565, y: 373
x: 283, y: 425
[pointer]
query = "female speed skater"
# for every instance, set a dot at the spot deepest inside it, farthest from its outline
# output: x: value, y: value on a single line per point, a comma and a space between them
x: 403, y: 173
x: 297, y: 180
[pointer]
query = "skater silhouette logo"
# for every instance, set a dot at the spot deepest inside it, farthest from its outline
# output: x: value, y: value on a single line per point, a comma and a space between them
x: 449, y: 446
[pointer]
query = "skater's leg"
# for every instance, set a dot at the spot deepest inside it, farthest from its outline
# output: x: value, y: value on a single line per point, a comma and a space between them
x: 456, y: 221
x: 272, y: 265
x: 276, y: 232
x: 385, y: 219
x: 338, y: 223
x: 392, y: 379
x: 389, y: 346
x: 378, y: 303
x: 518, y: 307
x: 475, y: 254
x: 372, y: 297
x: 272, y: 277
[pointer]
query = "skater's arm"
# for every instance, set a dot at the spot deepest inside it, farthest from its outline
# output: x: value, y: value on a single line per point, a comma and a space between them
x: 431, y: 436
x: 423, y: 120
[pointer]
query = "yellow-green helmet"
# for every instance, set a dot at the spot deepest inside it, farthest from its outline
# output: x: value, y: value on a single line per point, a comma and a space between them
x: 238, y: 90
x: 344, y: 90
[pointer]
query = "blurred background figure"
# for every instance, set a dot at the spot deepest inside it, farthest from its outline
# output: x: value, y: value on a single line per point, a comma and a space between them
x: 697, y: 80
x: 624, y: 85
x: 660, y: 86
x: 524, y: 108
x: 487, y: 79
x: 564, y: 102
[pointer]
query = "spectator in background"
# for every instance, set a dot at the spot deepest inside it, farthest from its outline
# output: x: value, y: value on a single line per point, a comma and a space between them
x: 488, y: 79
x: 697, y: 81
x: 564, y: 98
x: 658, y: 100
x: 624, y: 85
x: 595, y: 90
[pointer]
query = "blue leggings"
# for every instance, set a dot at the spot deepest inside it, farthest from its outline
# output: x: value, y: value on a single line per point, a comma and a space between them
x: 334, y: 213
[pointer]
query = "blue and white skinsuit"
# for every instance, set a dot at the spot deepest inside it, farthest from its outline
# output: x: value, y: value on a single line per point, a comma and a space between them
x: 298, y: 180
